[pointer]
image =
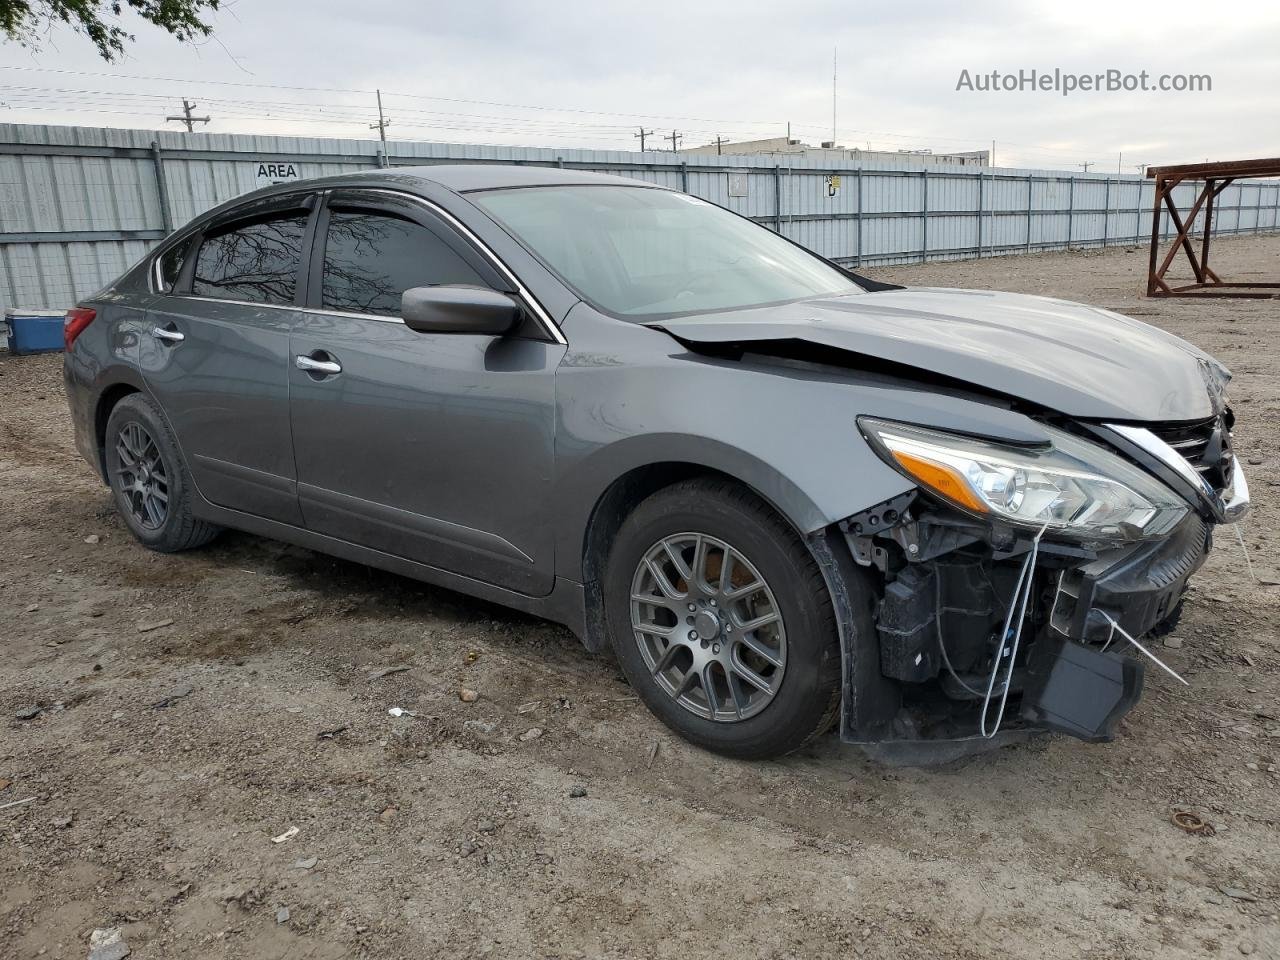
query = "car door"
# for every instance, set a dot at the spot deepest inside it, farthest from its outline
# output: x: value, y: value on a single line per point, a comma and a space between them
x: 433, y: 447
x: 216, y: 355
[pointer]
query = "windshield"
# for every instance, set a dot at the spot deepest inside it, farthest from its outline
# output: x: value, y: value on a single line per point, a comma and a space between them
x: 638, y: 252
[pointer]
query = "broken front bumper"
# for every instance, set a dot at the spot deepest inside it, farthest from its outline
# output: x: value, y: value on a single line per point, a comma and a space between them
x: 1235, y: 503
x: 1136, y: 588
x: 1082, y: 677
x: 918, y: 670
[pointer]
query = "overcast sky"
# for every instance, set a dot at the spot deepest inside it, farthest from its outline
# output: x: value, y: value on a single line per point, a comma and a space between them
x: 574, y: 73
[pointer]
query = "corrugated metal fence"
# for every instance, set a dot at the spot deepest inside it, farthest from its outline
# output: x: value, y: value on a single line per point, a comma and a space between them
x: 78, y: 205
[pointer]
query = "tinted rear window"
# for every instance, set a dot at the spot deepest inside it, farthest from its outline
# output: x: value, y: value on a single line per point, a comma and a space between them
x: 256, y: 262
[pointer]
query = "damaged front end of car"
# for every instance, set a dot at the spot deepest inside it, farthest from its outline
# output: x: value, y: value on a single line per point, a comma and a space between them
x: 1017, y: 582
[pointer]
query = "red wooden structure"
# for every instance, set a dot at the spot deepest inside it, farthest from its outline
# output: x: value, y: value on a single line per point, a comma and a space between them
x: 1217, y: 177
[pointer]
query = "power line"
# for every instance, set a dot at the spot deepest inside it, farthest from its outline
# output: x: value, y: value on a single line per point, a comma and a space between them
x: 913, y: 138
x: 347, y: 114
x: 325, y: 113
x: 478, y: 132
x: 318, y: 112
x: 135, y: 113
x: 573, y: 136
x: 413, y: 96
x: 355, y: 116
x: 310, y: 107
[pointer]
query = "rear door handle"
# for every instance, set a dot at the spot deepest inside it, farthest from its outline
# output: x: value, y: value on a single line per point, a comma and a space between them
x: 311, y: 365
x: 171, y: 336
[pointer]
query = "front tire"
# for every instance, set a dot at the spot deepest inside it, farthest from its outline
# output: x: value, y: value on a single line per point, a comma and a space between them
x: 721, y: 620
x: 153, y: 490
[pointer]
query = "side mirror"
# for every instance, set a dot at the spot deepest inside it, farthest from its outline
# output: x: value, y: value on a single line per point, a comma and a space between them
x: 458, y: 309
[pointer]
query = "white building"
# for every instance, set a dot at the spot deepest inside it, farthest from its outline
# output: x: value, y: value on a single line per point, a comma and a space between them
x: 838, y: 156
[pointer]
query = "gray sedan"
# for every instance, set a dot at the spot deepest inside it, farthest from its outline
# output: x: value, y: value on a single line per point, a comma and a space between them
x: 786, y: 496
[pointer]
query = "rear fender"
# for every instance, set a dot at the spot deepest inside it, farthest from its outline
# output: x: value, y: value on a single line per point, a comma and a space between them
x: 100, y: 366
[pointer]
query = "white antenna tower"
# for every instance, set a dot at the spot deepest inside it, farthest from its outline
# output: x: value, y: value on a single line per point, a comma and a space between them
x: 835, y: 54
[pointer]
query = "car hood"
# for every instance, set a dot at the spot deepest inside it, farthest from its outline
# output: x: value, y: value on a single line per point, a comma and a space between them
x: 1075, y: 359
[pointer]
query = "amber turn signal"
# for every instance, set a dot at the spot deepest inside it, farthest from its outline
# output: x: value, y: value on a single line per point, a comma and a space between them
x: 941, y: 479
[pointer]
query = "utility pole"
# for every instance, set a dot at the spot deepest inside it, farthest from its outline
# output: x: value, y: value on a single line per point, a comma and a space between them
x: 381, y: 127
x: 642, y: 134
x: 788, y: 131
x: 187, y: 109
x: 1086, y: 165
x: 675, y: 139
x: 720, y: 140
x: 993, y: 153
x: 1141, y: 168
x: 1120, y: 162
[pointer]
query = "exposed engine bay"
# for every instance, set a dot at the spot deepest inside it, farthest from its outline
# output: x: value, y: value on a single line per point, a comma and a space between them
x: 985, y: 628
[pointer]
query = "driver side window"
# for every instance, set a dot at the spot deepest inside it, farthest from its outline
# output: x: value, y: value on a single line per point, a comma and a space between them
x: 371, y: 258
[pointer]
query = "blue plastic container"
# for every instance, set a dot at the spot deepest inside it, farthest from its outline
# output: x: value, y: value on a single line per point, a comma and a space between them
x: 34, y: 331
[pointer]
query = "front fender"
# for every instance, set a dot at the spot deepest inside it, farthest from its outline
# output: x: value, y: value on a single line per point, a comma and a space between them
x: 581, y: 486
x: 629, y: 396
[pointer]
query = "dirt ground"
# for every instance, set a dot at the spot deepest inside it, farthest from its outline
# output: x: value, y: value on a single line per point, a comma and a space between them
x: 164, y: 761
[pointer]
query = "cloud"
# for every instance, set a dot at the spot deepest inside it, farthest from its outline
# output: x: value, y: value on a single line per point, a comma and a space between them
x: 738, y: 70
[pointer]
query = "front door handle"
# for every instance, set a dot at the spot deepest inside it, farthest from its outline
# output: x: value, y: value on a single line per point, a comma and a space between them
x: 170, y: 336
x: 324, y: 367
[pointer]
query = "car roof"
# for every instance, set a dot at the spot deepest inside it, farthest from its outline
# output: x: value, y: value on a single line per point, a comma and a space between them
x: 463, y: 177
x: 458, y: 177
x: 455, y: 177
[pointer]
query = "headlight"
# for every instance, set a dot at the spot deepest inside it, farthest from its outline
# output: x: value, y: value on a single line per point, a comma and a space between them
x: 1074, y: 487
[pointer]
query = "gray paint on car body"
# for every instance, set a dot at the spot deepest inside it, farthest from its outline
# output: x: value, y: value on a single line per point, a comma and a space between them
x: 563, y: 424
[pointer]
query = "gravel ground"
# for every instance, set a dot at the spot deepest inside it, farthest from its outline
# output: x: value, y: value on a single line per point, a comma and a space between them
x: 194, y: 710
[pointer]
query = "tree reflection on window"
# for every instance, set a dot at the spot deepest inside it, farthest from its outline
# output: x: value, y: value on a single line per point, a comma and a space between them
x: 257, y: 262
x: 370, y: 259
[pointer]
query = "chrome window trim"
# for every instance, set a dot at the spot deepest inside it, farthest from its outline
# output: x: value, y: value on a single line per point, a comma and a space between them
x: 353, y: 316
x: 239, y: 303
x: 288, y: 306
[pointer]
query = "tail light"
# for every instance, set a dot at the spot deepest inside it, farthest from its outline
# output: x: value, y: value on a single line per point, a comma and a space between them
x: 76, y: 320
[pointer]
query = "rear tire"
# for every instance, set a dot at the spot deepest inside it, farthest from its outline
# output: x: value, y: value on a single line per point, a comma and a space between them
x: 692, y: 553
x: 149, y: 479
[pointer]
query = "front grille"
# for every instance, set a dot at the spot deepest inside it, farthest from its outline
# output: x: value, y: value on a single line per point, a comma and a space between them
x: 1205, y: 444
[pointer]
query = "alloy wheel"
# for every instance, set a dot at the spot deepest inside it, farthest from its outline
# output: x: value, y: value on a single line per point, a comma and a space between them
x: 141, y: 476
x: 708, y: 627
